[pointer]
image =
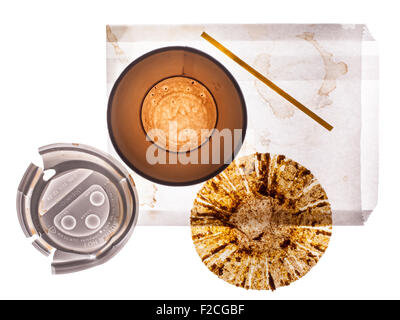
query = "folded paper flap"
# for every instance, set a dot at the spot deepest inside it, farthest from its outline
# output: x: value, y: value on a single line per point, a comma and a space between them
x: 370, y: 124
x: 150, y: 217
x: 233, y: 32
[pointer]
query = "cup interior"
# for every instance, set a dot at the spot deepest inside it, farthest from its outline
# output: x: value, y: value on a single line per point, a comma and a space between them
x: 129, y: 137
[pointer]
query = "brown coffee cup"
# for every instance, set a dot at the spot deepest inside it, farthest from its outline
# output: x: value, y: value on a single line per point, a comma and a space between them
x: 178, y: 88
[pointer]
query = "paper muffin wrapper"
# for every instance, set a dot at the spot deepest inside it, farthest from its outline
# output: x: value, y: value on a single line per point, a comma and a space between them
x: 262, y: 223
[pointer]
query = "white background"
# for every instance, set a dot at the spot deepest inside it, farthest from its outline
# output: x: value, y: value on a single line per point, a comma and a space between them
x: 53, y: 89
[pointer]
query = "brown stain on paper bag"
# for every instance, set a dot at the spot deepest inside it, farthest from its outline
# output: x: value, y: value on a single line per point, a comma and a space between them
x: 319, y: 98
x: 281, y: 109
x: 112, y: 38
x: 333, y: 70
